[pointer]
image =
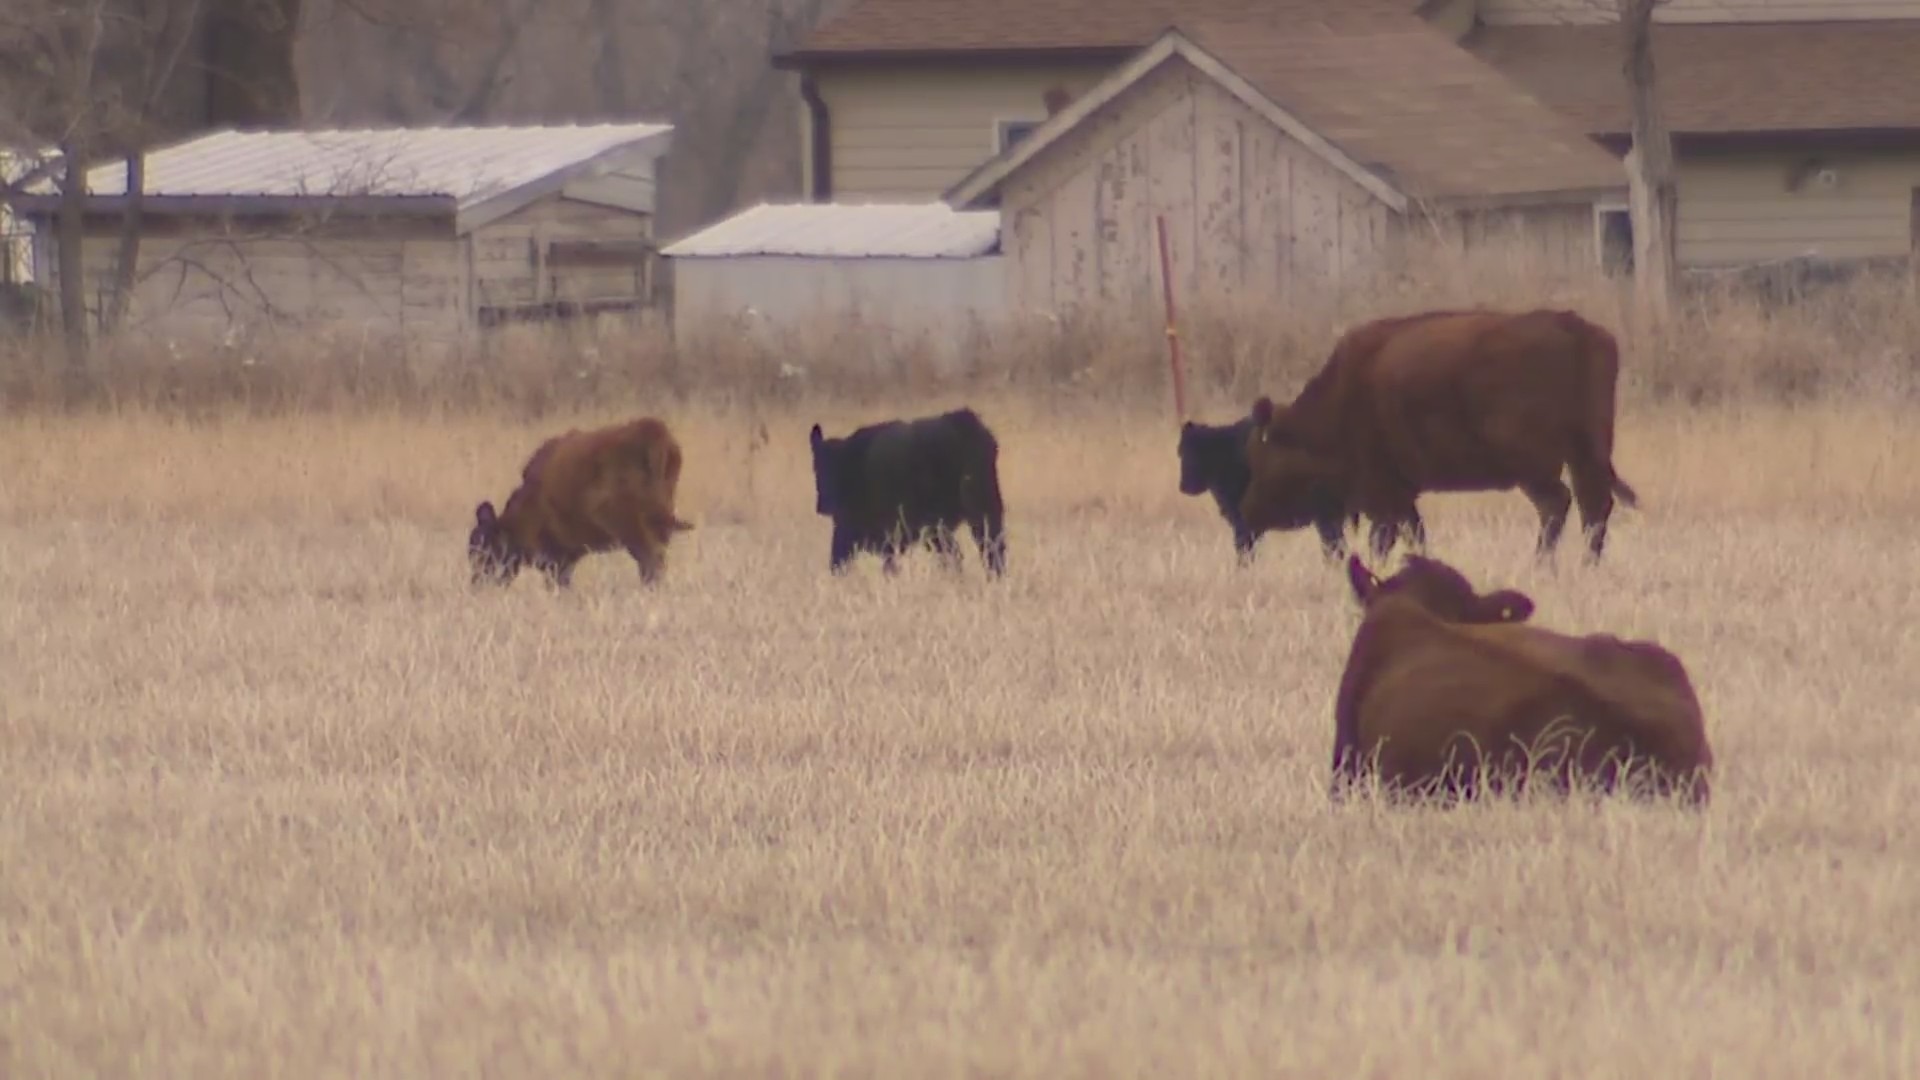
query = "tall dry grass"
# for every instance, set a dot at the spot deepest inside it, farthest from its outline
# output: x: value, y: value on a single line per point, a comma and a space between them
x: 281, y: 796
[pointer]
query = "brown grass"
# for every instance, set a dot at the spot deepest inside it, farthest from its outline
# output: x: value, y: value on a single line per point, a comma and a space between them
x: 280, y: 796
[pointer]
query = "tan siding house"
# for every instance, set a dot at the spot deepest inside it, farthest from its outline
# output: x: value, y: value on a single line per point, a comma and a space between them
x: 1276, y: 176
x: 907, y: 132
x: 1793, y: 139
x: 431, y: 233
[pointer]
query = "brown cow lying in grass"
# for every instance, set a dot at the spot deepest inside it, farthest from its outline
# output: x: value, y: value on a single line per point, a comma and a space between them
x: 580, y: 493
x: 1444, y: 401
x: 1448, y: 692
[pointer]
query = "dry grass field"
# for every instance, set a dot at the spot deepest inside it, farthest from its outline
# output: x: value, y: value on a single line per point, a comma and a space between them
x: 281, y: 796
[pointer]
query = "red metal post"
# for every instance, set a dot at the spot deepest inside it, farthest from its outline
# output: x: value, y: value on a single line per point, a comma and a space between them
x: 1173, y: 333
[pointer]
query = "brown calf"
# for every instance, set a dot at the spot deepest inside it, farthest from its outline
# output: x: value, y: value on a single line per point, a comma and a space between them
x: 580, y: 493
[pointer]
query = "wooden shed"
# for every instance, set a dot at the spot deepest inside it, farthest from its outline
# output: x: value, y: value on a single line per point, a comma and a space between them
x: 429, y: 232
x: 1287, y: 157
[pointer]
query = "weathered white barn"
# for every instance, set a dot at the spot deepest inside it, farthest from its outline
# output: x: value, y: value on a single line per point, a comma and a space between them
x: 429, y: 232
x: 1287, y: 162
x: 904, y: 267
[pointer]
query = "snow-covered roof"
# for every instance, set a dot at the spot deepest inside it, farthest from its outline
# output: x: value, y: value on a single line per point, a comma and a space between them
x: 484, y: 172
x: 922, y: 230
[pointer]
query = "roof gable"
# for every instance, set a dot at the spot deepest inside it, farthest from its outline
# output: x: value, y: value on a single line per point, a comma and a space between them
x: 479, y: 174
x: 1390, y: 102
x: 1172, y: 44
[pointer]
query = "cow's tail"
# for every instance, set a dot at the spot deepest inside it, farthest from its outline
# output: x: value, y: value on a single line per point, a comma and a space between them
x: 1599, y: 377
x: 664, y: 462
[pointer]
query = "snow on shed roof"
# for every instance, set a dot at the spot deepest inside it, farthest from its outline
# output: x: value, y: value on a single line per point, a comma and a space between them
x: 468, y: 165
x: 928, y: 230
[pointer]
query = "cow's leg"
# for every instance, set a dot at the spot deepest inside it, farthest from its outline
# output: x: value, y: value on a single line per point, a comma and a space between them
x: 841, y: 548
x: 989, y: 528
x: 1333, y: 540
x: 1593, y: 487
x: 1553, y: 501
x: 890, y: 548
x: 1388, y: 527
x: 558, y: 570
x: 1243, y: 539
x: 1416, y: 529
x: 944, y: 538
x: 651, y: 557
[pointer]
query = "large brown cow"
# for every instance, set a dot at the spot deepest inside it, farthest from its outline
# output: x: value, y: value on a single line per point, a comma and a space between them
x: 1445, y: 401
x: 580, y: 493
x: 1450, y: 692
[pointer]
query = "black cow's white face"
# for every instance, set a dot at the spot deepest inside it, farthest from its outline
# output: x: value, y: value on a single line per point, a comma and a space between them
x: 826, y: 471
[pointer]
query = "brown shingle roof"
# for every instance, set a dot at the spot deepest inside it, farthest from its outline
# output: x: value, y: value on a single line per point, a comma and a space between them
x: 958, y: 26
x: 1721, y: 78
x: 1392, y: 90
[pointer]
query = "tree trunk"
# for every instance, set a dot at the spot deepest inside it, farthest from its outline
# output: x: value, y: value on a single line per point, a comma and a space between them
x: 69, y: 235
x: 126, y: 267
x: 1653, y: 192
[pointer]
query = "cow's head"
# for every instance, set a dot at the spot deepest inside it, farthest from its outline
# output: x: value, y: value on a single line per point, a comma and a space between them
x: 1200, y: 447
x: 827, y: 470
x: 491, y: 553
x: 1440, y: 589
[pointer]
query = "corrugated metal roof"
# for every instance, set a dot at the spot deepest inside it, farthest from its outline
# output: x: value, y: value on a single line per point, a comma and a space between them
x: 925, y: 230
x: 468, y: 164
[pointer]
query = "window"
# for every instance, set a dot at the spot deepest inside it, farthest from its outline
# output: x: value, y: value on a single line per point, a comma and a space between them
x: 1613, y: 226
x: 1009, y: 132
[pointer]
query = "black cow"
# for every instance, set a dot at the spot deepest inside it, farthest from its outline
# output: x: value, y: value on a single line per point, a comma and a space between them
x: 891, y: 485
x: 1213, y: 460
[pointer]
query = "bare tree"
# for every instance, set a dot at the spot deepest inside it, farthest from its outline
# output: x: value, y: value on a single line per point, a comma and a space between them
x: 1653, y: 191
x: 103, y: 80
x: 705, y: 66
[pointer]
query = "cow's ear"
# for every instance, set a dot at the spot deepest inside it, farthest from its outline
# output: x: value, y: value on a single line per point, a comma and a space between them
x: 1364, y: 583
x: 483, y: 514
x: 1263, y: 411
x: 816, y: 437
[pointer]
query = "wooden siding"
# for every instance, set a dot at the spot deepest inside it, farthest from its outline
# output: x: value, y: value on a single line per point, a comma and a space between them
x: 912, y: 132
x: 1517, y: 12
x: 1739, y: 208
x: 1248, y: 210
x: 510, y: 256
x: 208, y: 283
x: 794, y: 294
x: 1553, y: 239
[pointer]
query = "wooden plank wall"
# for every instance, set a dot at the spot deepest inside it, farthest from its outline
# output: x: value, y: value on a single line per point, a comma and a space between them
x: 1249, y: 211
x: 509, y: 268
x: 205, y: 278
